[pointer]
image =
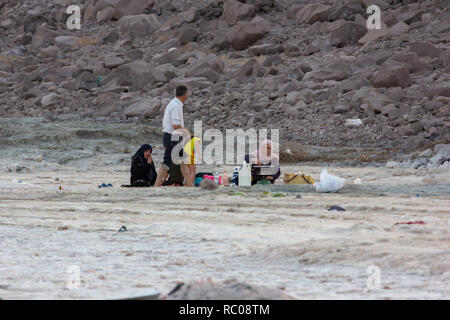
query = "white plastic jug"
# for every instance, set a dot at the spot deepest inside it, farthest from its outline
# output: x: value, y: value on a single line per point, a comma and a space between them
x: 245, y: 175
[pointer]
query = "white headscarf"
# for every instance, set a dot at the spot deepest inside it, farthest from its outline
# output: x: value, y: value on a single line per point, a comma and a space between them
x: 265, y: 159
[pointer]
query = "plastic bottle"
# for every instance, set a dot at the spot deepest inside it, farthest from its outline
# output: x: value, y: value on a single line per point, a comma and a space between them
x: 225, y: 179
x: 216, y: 177
x: 235, y: 175
x: 245, y: 175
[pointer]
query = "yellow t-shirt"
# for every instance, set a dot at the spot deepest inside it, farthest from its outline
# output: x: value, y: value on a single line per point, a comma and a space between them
x: 189, y: 149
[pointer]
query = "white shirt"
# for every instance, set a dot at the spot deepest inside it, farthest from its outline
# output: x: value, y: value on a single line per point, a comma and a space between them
x: 173, y: 115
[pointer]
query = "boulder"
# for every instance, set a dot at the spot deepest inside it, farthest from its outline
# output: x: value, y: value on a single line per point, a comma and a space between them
x: 375, y: 34
x: 425, y: 49
x: 67, y: 42
x: 234, y: 11
x: 187, y: 34
x: 392, y: 77
x: 442, y: 154
x: 171, y: 56
x: 398, y: 29
x: 312, y: 13
x: 43, y: 37
x: 138, y: 26
x: 191, y: 82
x: 252, y: 68
x: 246, y: 33
x: 112, y: 61
x: 137, y: 75
x: 324, y: 75
x: 265, y: 49
x: 347, y: 34
x: 348, y: 11
x: 147, y: 108
x: 49, y: 100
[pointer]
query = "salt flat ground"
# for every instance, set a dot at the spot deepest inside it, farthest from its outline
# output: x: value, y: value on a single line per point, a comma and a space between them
x: 187, y: 234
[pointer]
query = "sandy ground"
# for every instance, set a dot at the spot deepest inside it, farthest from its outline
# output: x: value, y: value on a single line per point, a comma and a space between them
x: 185, y: 234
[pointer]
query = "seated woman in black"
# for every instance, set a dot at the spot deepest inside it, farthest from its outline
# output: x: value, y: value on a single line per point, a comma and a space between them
x: 264, y: 163
x: 143, y: 172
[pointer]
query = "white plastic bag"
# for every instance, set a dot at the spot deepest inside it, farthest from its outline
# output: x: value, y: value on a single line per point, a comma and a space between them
x: 329, y: 183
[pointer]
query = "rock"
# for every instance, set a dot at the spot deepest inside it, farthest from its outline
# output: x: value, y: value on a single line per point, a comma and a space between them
x: 85, y: 80
x: 137, y: 75
x: 398, y: 29
x: 138, y: 26
x: 146, y: 107
x: 342, y: 108
x: 191, y: 82
x: 191, y: 15
x: 442, y: 154
x: 291, y: 13
x: 226, y: 290
x: 187, y: 34
x: 324, y: 75
x: 113, y: 61
x: 251, y: 68
x: 220, y: 41
x: 69, y: 42
x: 43, y: 37
x: 265, y: 49
x: 425, y: 49
x: 417, y: 65
x: 106, y: 14
x: 376, y: 34
x: 393, y: 164
x: 312, y: 13
x: 171, y: 56
x: 49, y: 100
x: 234, y: 11
x: 347, y: 34
x: 245, y: 33
x: 437, y: 91
x: 348, y: 11
x: 392, y: 77
x: 210, y: 67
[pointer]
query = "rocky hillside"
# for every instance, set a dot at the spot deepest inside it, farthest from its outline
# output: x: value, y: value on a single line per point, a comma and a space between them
x: 305, y: 67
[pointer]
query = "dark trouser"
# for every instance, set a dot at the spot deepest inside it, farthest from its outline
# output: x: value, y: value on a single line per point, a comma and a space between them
x: 169, y: 145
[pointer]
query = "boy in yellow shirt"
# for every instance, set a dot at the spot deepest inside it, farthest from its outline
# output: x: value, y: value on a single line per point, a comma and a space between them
x: 192, y: 149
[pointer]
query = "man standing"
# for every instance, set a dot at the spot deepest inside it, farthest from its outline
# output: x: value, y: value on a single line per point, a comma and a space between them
x: 173, y: 125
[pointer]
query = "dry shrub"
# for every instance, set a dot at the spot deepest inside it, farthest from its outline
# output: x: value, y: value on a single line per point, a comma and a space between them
x: 293, y: 152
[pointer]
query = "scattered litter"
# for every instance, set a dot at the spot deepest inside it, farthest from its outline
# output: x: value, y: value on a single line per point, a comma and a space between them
x: 62, y: 228
x: 410, y: 222
x: 336, y: 208
x: 278, y: 195
x: 357, y: 181
x: 417, y: 194
x: 328, y: 182
x: 353, y: 122
x: 297, y: 178
x: 299, y: 196
x: 123, y: 229
x: 238, y: 194
x: 104, y: 185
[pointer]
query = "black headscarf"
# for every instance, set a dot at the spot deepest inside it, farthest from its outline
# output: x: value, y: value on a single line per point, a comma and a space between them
x: 142, y: 149
x: 141, y: 169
